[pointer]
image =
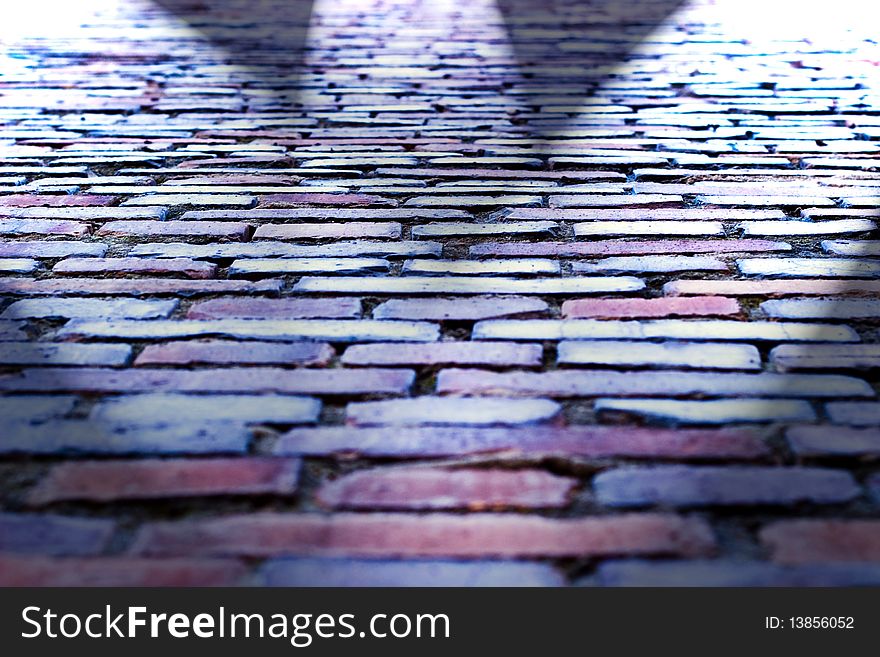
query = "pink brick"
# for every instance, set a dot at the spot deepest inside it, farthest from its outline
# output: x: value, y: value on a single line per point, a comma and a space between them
x: 118, y: 571
x: 303, y: 308
x: 791, y: 287
x: 475, y: 535
x: 808, y: 541
x: 576, y: 441
x: 105, y: 481
x: 149, y: 266
x: 218, y: 229
x: 350, y: 230
x: 435, y: 488
x: 231, y: 351
x: 662, y: 307
x: 435, y: 353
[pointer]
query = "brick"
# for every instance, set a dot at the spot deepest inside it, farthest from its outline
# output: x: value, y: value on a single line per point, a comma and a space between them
x: 53, y: 534
x: 258, y: 267
x: 460, y: 308
x: 89, y: 308
x: 528, y: 266
x: 234, y: 200
x: 837, y: 441
x: 34, y: 408
x: 256, y: 308
x: 603, y: 228
x: 42, y: 227
x: 270, y: 329
x: 43, y: 353
x: 793, y: 267
x: 855, y: 413
x: 789, y: 357
x: 624, y: 247
x: 233, y: 352
x: 541, y: 329
x: 467, y: 285
x: 135, y: 287
x: 151, y: 229
x: 464, y: 353
x: 721, y: 412
x: 38, y: 249
x: 452, y: 229
x: 162, y: 266
x: 223, y: 250
x: 780, y: 228
x: 651, y: 264
x: 771, y: 287
x: 575, y: 441
x: 510, y: 200
x: 118, y: 571
x: 157, y: 409
x: 685, y: 486
x: 18, y: 265
x: 433, y: 535
x: 649, y: 308
x: 66, y: 200
x: 350, y: 230
x: 812, y: 541
x: 341, y: 213
x: 82, y: 213
x: 643, y: 214
x: 294, y: 199
x: 665, y: 354
x: 360, y: 381
x: 439, y: 410
x: 313, y: 572
x: 90, y: 437
x: 434, y: 488
x: 835, y: 308
x: 729, y: 572
x: 106, y: 481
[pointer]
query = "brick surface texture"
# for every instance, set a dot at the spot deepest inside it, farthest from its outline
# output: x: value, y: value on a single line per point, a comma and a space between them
x: 414, y: 293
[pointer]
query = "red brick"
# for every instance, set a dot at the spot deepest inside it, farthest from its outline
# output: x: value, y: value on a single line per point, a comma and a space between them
x: 435, y: 488
x: 105, y: 481
x: 591, y: 442
x: 662, y: 307
x: 808, y: 541
x: 434, y: 535
x: 118, y: 571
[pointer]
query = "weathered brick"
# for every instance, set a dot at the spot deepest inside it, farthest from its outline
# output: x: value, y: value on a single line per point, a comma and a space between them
x: 435, y: 488
x: 661, y: 307
x: 53, y: 534
x: 255, y: 308
x: 361, y: 381
x: 683, y: 486
x: 771, y: 287
x: 167, y: 266
x: 721, y: 412
x: 136, y: 287
x: 664, y: 354
x: 151, y: 229
x: 574, y: 441
x: 349, y: 230
x: 811, y: 541
x: 467, y: 285
x: 233, y: 352
x: 105, y: 481
x: 837, y: 441
x: 373, y: 572
x: 44, y: 353
x: 460, y: 308
x: 435, y: 535
x: 437, y: 353
x: 445, y: 410
x: 89, y: 308
x: 119, y: 571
